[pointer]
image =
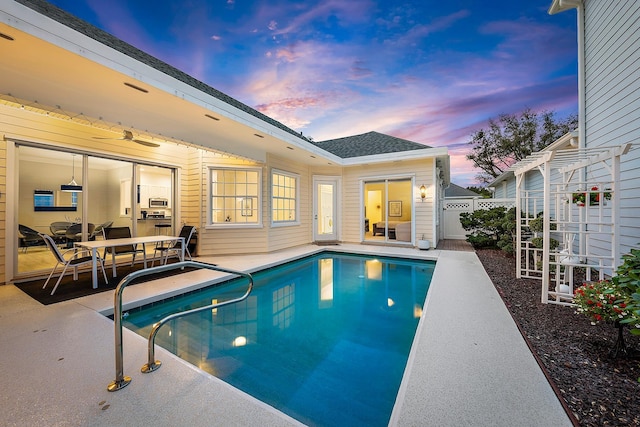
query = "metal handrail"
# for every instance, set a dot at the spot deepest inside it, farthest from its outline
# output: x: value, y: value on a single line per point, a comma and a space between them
x: 121, y: 380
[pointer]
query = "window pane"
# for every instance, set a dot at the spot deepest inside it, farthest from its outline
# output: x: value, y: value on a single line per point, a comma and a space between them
x: 230, y: 199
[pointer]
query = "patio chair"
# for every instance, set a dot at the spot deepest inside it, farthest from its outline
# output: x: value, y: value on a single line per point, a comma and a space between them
x: 175, y: 248
x: 120, y: 233
x: 80, y: 257
x: 29, y: 237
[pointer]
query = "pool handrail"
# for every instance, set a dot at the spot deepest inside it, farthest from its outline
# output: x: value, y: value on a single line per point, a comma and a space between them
x: 121, y: 380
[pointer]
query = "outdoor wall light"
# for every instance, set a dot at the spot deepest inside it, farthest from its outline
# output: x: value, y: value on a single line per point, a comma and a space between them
x: 423, y: 192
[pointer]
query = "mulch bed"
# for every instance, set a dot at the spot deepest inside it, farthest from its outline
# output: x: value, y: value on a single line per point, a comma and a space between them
x: 598, y: 389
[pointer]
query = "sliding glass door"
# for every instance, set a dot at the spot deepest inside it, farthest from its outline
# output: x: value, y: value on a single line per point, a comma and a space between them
x: 388, y: 210
x: 70, y: 196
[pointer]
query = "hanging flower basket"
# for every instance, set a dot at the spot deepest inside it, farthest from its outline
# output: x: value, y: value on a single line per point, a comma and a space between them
x: 594, y: 196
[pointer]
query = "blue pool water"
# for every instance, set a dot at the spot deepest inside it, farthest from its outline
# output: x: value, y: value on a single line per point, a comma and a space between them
x: 324, y: 339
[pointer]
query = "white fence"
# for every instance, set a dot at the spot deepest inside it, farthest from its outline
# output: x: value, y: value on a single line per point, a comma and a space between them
x: 454, y: 207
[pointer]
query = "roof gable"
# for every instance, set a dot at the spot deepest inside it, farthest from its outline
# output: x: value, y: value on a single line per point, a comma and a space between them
x: 368, y: 144
x: 456, y: 191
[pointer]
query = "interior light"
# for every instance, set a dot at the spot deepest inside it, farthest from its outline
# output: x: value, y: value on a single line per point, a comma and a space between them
x: 72, y: 186
x: 423, y: 192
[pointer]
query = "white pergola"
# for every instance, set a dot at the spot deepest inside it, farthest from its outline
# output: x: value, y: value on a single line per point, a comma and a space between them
x: 587, y: 233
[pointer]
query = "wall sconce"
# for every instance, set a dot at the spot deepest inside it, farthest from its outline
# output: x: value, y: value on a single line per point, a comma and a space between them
x: 423, y: 192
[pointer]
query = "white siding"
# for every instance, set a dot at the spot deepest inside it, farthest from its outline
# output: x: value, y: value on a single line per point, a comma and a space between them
x: 352, y: 198
x: 612, y: 93
x: 294, y: 235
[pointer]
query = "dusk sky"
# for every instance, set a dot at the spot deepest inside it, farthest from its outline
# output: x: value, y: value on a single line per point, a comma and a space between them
x: 428, y: 71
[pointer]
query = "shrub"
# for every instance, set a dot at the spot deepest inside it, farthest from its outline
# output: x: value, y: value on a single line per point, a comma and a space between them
x: 538, y: 241
x: 490, y: 228
x: 627, y: 278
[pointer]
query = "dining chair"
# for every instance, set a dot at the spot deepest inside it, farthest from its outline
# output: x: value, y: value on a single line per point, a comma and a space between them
x: 78, y: 258
x: 59, y: 231
x: 99, y: 230
x: 120, y: 233
x: 175, y: 247
x: 74, y: 233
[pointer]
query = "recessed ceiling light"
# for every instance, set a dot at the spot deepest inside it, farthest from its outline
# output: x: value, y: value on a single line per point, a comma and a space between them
x: 7, y: 37
x: 212, y: 117
x: 259, y: 136
x: 131, y: 85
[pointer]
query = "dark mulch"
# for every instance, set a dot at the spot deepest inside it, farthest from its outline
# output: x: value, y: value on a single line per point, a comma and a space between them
x: 598, y: 389
x: 70, y: 289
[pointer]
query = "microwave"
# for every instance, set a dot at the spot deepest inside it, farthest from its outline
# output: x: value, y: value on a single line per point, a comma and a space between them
x: 158, y: 203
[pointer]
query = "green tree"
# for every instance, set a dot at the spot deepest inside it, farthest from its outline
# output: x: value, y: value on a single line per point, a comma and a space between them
x: 491, y: 228
x: 512, y: 137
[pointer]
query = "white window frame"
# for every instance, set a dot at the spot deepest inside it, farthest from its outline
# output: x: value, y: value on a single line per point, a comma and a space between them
x: 257, y: 206
x: 296, y: 177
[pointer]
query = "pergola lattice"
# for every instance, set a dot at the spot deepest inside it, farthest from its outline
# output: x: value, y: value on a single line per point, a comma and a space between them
x: 587, y: 234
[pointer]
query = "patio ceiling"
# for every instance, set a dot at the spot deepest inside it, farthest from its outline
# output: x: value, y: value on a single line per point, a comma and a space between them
x: 47, y: 63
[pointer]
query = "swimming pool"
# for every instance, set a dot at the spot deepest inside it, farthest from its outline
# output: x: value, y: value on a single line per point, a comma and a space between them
x: 324, y: 339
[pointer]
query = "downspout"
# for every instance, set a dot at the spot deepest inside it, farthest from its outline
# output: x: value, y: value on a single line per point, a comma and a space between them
x: 582, y: 137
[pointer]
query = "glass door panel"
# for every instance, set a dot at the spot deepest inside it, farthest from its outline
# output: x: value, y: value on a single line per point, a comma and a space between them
x: 388, y: 210
x: 325, y: 210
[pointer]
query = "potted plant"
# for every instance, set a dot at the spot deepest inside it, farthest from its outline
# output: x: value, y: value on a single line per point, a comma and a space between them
x: 594, y: 196
x: 605, y: 301
x: 602, y: 301
x: 423, y: 243
x: 615, y: 301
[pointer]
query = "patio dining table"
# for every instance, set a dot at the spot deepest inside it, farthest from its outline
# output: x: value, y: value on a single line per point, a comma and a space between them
x: 94, y: 245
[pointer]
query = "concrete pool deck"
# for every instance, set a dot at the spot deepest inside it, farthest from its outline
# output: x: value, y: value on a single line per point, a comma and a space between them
x: 469, y: 365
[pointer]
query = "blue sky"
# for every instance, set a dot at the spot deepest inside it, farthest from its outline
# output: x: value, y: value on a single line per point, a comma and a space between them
x: 429, y: 71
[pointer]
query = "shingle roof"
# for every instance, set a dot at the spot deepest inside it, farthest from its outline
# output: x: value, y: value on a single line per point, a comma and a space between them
x: 367, y: 144
x: 456, y: 191
x: 59, y: 15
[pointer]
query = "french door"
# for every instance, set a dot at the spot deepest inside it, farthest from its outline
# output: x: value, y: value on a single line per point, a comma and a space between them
x: 325, y: 209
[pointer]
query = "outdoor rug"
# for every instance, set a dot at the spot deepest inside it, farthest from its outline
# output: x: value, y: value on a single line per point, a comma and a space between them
x: 70, y: 289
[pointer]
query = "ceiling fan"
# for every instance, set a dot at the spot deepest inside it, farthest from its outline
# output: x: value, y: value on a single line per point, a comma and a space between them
x: 128, y: 136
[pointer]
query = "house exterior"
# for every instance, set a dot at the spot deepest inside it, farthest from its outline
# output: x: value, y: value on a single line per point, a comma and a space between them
x: 149, y: 145
x: 599, y: 162
x: 609, y: 95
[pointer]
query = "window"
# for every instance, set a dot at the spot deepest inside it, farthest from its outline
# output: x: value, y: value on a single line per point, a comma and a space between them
x: 235, y: 196
x: 284, y: 198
